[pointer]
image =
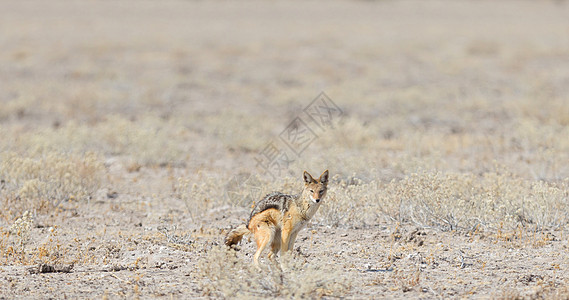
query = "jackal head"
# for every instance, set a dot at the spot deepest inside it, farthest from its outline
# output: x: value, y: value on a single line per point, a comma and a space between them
x: 315, y: 190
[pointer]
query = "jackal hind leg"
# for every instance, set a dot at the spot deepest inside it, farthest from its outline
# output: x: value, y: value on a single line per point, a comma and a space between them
x: 275, y: 248
x: 264, y: 235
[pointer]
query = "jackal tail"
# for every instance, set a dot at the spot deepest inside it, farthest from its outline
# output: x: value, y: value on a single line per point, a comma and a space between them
x: 236, y: 235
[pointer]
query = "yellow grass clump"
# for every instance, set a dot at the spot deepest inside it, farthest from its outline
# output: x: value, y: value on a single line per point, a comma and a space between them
x: 40, y: 184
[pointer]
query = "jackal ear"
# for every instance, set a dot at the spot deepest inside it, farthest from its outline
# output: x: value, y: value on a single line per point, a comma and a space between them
x: 308, y: 178
x: 324, y: 177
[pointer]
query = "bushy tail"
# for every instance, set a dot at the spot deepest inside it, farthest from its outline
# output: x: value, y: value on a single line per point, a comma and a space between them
x: 236, y: 235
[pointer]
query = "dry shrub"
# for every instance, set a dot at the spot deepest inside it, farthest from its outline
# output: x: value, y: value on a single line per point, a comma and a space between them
x: 149, y: 140
x: 222, y: 273
x: 17, y: 247
x: 199, y: 195
x: 40, y: 184
x: 21, y: 229
x: 350, y: 204
x: 462, y: 201
x: 449, y: 201
x: 549, y: 110
x: 146, y: 140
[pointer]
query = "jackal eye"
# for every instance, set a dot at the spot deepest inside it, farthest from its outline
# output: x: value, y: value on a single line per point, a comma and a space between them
x: 321, y: 192
x: 312, y: 191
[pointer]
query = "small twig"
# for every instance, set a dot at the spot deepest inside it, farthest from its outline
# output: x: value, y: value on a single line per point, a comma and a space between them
x: 462, y: 257
x: 115, y: 276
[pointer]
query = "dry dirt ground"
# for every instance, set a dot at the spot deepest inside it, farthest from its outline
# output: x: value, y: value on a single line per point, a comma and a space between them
x: 130, y: 134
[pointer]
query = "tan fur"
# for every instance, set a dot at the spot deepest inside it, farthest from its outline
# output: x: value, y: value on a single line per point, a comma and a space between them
x: 279, y: 228
x: 236, y: 235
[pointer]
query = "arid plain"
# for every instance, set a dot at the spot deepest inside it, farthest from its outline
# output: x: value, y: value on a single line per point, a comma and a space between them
x: 135, y: 134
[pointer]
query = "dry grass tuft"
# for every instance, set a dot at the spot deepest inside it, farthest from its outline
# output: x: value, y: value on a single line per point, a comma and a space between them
x: 17, y: 246
x: 450, y: 201
x: 224, y: 274
x: 462, y: 201
x: 41, y: 184
x: 146, y: 140
x: 21, y: 229
x: 446, y: 200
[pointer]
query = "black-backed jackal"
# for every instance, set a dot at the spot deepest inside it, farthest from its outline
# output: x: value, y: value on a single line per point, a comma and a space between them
x: 277, y: 218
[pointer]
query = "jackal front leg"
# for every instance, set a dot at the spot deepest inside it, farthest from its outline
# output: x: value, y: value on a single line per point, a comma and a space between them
x: 291, y: 241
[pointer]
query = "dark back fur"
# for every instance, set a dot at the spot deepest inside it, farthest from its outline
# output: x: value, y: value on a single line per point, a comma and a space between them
x: 274, y: 200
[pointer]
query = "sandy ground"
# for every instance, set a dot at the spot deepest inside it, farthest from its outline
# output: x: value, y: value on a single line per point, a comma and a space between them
x: 223, y: 78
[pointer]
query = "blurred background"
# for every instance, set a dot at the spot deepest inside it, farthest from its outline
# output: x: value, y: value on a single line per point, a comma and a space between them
x: 445, y: 84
